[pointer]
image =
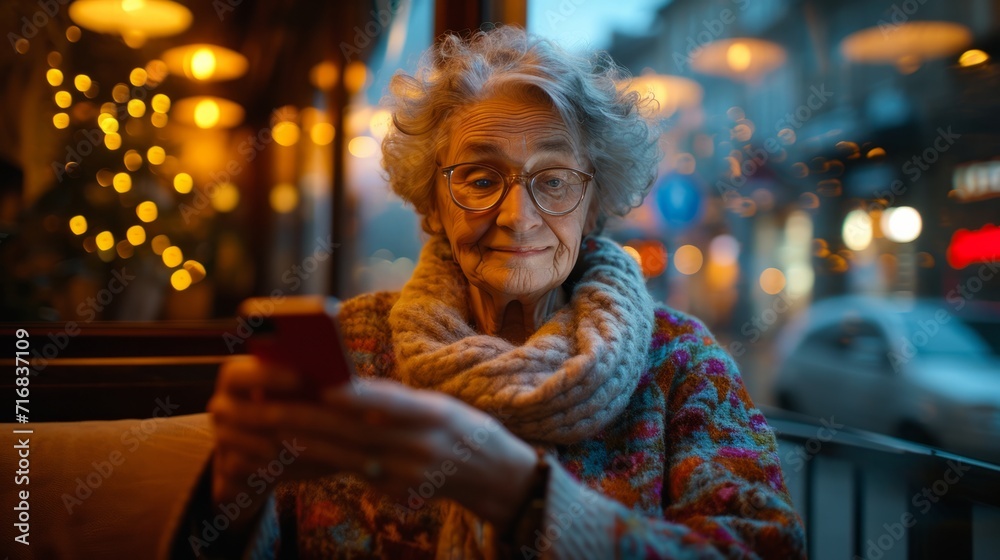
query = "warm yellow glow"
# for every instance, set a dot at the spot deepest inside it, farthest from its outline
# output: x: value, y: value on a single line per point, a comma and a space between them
x: 355, y: 76
x: 82, y: 82
x: 286, y: 133
x: 876, y: 153
x: 156, y: 155
x: 183, y: 183
x: 107, y: 123
x: 688, y: 259
x: 78, y: 225
x: 159, y: 120
x: 322, y: 133
x: 132, y: 160
x: 969, y: 58
x: 113, y: 140
x: 160, y: 103
x: 120, y: 93
x: 772, y: 281
x: 54, y: 76
x: 196, y: 270
x: 133, y: 19
x: 60, y: 120
x: 738, y: 57
x: 156, y: 72
x: 105, y: 177
x: 63, y: 99
x: 857, y: 230
x: 744, y: 58
x: 206, y: 113
x: 632, y: 252
x: 137, y: 77
x: 380, y: 122
x: 362, y: 146
x: 146, y: 211
x: 909, y: 43
x: 54, y: 59
x: 125, y: 249
x: 136, y: 108
x: 105, y: 240
x: 172, y: 256
x: 202, y: 64
x: 136, y: 235
x: 324, y: 75
x: 227, y: 196
x: 122, y: 182
x: 284, y: 198
x: 206, y: 62
x: 73, y: 34
x: 902, y: 224
x: 159, y: 243
x: 180, y: 279
x: 670, y: 92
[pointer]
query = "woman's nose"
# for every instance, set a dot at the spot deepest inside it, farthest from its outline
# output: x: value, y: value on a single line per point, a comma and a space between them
x: 517, y: 211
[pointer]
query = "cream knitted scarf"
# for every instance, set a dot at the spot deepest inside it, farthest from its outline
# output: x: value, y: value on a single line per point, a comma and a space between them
x: 567, y: 382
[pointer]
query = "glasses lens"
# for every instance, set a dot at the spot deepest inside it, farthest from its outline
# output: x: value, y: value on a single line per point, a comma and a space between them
x: 557, y: 190
x: 476, y: 187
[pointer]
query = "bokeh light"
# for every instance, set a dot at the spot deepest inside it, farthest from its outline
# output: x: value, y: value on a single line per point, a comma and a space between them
x: 78, y: 225
x: 688, y: 259
x: 147, y: 211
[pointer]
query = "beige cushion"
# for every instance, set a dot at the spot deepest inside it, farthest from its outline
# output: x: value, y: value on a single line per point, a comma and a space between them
x: 130, y: 505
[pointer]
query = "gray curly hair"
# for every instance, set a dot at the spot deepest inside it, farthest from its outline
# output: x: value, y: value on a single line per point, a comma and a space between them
x: 608, y: 120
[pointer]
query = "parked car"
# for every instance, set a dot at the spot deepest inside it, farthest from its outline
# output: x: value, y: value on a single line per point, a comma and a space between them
x: 910, y: 369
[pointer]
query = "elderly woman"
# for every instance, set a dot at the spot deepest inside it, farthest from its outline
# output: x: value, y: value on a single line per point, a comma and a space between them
x: 523, y: 394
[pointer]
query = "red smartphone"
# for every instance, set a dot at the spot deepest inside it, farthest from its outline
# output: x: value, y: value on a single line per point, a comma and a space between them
x: 301, y: 333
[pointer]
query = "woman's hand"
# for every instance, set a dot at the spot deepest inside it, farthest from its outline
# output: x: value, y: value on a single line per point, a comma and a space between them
x: 413, y: 445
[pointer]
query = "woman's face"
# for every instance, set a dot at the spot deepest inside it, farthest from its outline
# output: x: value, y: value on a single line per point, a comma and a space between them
x: 513, y: 250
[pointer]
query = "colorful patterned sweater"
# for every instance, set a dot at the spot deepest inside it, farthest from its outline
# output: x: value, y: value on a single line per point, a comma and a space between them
x: 689, y: 470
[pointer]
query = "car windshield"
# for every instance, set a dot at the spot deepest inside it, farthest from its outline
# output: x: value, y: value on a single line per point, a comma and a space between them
x: 929, y: 335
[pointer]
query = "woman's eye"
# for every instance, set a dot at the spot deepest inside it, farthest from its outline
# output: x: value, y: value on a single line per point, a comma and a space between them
x: 554, y: 183
x: 483, y: 183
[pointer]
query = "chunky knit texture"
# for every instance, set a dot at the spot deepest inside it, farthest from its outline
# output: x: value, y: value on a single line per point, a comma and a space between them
x: 687, y: 469
x: 567, y: 382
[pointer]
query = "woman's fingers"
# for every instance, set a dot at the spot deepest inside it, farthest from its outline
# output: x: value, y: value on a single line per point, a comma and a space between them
x: 382, y: 403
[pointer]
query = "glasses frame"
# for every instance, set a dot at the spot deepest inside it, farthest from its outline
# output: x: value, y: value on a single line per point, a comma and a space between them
x: 508, y: 180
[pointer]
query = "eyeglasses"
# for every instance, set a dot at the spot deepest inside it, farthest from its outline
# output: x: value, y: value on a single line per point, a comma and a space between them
x: 554, y: 190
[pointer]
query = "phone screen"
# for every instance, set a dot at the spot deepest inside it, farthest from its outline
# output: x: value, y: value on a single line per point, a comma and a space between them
x: 301, y: 333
